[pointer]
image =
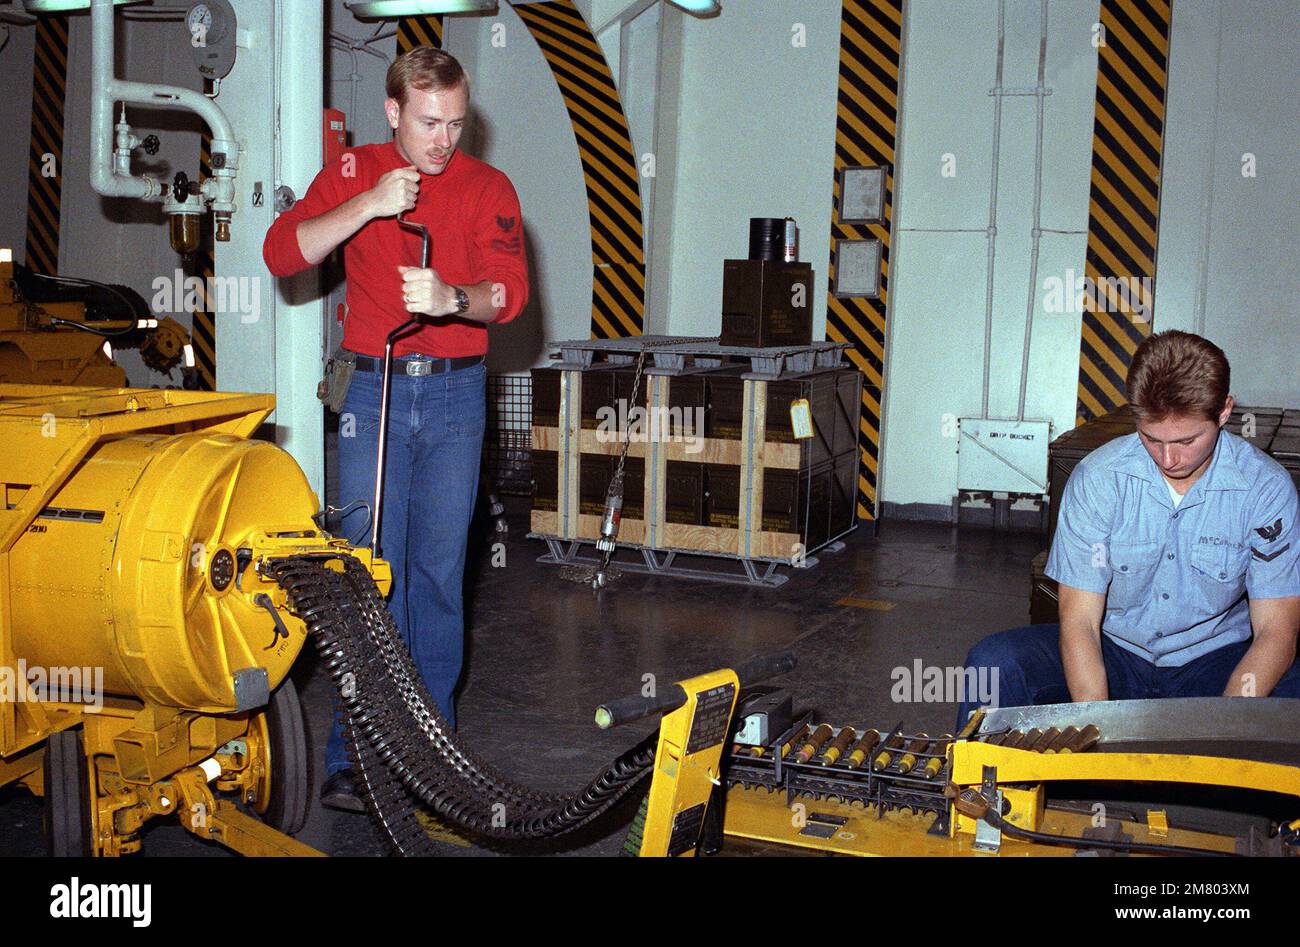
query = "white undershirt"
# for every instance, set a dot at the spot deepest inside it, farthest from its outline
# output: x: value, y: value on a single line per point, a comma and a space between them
x: 1174, y: 494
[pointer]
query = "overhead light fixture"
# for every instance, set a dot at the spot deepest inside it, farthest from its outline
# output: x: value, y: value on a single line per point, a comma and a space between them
x: 699, y: 7
x: 65, y: 6
x: 378, y: 9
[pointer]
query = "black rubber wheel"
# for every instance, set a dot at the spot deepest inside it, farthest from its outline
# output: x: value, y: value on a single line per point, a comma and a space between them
x: 291, y: 773
x: 67, y: 795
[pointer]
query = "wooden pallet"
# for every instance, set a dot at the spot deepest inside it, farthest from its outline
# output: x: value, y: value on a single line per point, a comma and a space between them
x: 633, y: 557
x: 677, y: 355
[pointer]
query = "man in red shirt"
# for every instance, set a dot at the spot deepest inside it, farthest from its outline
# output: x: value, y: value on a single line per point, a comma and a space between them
x: 437, y: 407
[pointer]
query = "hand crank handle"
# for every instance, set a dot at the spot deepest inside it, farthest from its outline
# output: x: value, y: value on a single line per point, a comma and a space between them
x: 425, y: 249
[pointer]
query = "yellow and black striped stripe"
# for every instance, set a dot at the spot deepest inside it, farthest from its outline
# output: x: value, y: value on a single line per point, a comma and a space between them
x: 413, y: 31
x: 871, y: 39
x: 1124, y: 204
x: 608, y: 163
x: 45, y: 194
x: 203, y: 324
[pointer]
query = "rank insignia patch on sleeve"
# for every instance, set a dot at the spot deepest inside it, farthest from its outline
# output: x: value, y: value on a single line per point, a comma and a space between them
x: 1268, y: 557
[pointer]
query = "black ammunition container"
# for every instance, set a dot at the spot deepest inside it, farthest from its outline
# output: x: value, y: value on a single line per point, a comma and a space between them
x: 798, y: 501
x: 766, y: 303
x: 785, y: 501
x: 822, y: 393
x: 686, y: 404
x: 722, y: 495
x: 817, y: 504
x: 594, y: 475
x: 546, y: 480
x: 724, y: 393
x: 597, y: 394
x: 546, y: 397
x: 684, y: 493
x: 833, y: 399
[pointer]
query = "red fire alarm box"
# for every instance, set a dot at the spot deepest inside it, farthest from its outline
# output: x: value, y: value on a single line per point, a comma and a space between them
x: 336, y: 135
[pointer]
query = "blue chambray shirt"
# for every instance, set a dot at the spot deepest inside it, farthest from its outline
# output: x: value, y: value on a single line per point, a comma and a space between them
x: 1176, y: 581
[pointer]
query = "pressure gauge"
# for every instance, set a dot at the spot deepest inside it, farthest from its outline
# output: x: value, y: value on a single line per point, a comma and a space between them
x: 199, y: 22
x: 211, y: 28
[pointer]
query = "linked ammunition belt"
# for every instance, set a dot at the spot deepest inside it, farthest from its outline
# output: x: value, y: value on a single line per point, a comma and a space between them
x: 402, y: 746
x: 889, y: 772
x: 897, y: 771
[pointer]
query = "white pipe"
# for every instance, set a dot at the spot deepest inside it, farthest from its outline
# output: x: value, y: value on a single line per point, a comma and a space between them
x: 1207, y: 199
x: 352, y: 79
x: 1036, y: 233
x: 362, y: 46
x: 107, y: 90
x: 993, y: 207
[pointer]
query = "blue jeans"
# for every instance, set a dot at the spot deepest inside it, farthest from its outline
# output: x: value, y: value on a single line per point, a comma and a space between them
x: 435, y: 438
x: 1029, y: 667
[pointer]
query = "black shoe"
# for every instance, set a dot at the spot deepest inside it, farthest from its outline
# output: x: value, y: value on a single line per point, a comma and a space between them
x: 340, y: 792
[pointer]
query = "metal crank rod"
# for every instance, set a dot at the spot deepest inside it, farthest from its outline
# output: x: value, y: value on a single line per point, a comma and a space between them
x: 393, y: 336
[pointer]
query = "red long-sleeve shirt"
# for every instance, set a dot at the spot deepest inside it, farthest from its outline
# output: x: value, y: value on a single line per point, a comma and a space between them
x: 473, y: 217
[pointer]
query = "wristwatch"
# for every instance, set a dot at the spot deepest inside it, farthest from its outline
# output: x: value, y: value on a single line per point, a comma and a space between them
x: 462, y: 300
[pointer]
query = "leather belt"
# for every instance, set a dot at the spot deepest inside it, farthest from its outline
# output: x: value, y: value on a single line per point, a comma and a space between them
x: 418, y: 364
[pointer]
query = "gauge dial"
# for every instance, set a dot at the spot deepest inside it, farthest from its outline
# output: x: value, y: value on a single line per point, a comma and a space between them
x: 199, y: 19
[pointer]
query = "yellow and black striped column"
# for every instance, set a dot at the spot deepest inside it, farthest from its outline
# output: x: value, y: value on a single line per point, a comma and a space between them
x: 413, y: 31
x: 609, y: 165
x: 203, y: 323
x: 45, y: 174
x: 1124, y: 204
x: 871, y: 39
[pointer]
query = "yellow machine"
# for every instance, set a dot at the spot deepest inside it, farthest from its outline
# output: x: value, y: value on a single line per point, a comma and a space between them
x: 144, y: 652
x: 160, y: 572
x: 47, y: 335
x: 775, y: 780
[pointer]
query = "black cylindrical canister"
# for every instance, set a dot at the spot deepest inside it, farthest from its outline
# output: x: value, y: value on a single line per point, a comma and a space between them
x: 766, y: 238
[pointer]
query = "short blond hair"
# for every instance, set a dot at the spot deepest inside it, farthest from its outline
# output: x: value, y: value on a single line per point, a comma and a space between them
x: 426, y: 68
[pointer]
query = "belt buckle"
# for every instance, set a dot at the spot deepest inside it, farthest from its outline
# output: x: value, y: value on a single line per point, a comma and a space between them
x: 419, y: 367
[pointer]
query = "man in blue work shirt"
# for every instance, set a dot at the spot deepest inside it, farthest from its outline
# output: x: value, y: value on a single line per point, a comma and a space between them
x: 1177, y: 553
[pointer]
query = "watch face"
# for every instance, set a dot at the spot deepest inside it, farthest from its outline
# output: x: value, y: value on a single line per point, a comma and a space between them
x: 462, y: 300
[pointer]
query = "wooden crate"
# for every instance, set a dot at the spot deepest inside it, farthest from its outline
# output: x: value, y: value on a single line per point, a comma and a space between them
x: 675, y: 509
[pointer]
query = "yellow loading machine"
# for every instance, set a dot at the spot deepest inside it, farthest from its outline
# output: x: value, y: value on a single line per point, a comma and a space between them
x: 145, y: 650
x: 149, y: 545
x: 53, y: 331
x: 797, y: 784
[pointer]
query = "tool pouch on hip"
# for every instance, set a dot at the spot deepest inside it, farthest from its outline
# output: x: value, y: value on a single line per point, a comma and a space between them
x: 333, y: 388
